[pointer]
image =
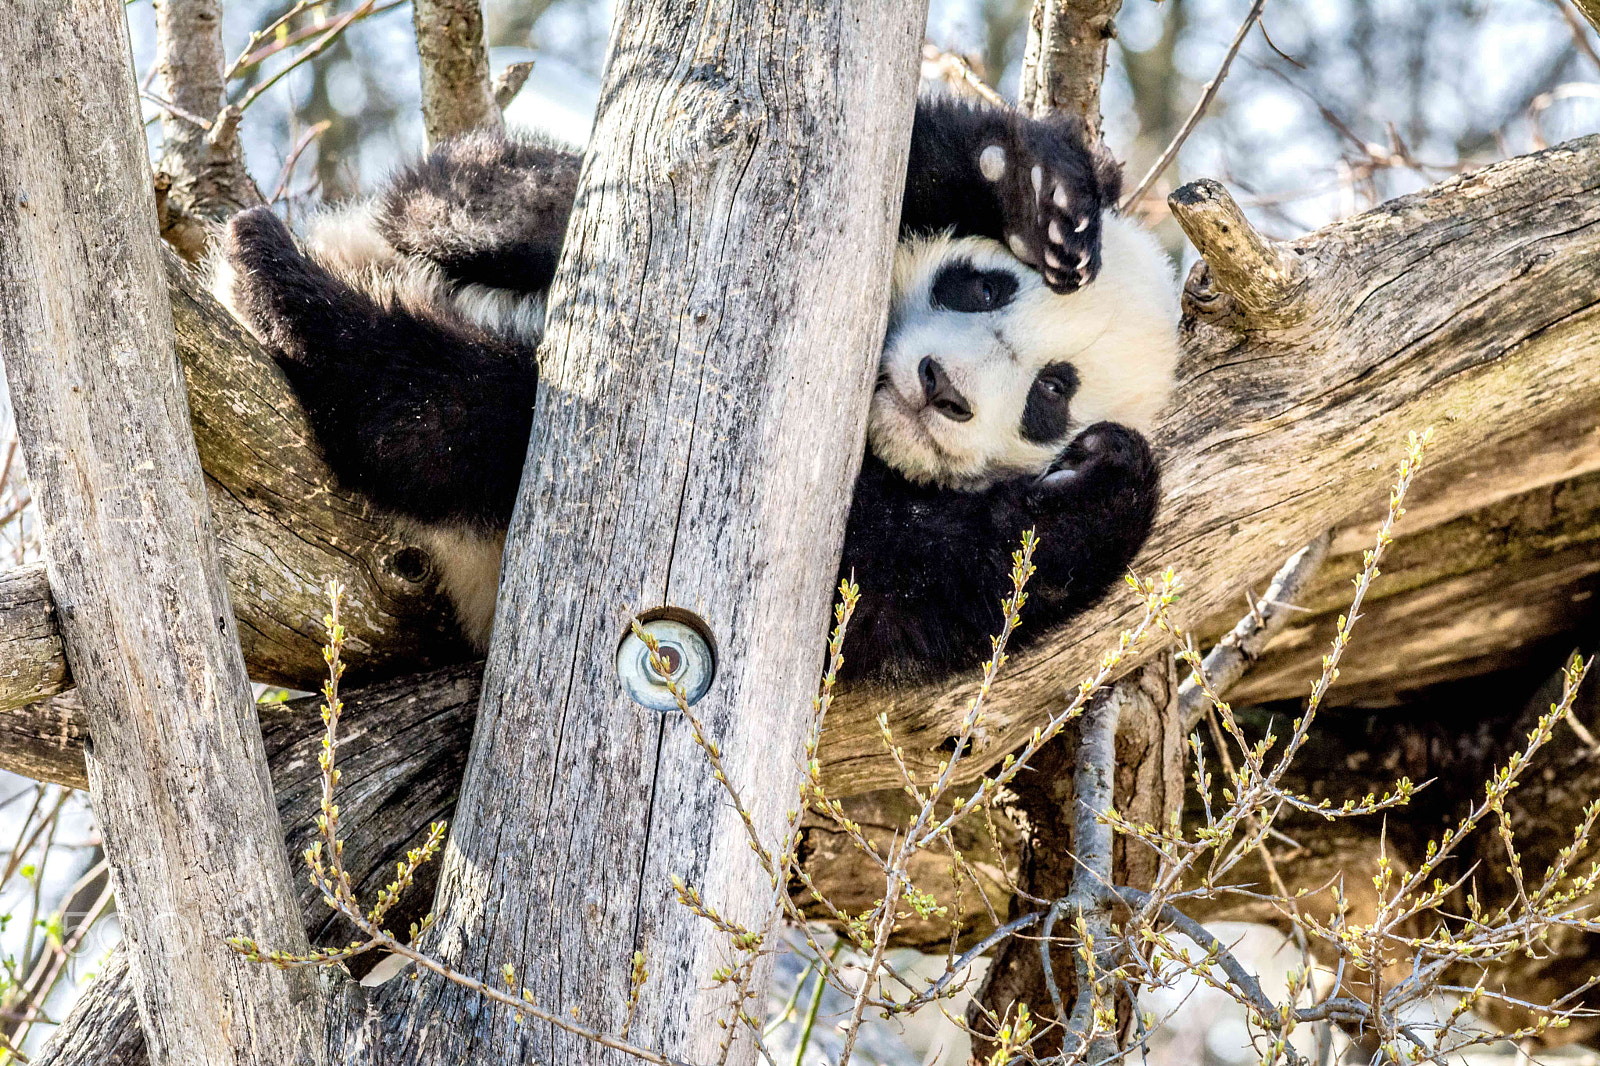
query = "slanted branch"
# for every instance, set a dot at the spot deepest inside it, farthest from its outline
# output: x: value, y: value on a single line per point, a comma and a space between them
x: 1470, y: 306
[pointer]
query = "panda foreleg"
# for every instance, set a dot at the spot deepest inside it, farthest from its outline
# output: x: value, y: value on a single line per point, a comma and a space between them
x: 429, y: 419
x: 1035, y: 184
x: 935, y: 565
x: 1091, y: 513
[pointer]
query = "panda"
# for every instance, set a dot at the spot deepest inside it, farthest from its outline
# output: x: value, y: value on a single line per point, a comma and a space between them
x: 1032, y: 338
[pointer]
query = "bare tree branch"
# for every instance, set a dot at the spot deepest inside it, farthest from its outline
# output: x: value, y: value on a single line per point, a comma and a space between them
x: 509, y: 82
x: 200, y: 145
x: 457, y: 95
x: 1304, y: 363
x: 1234, y: 654
x: 1065, y: 60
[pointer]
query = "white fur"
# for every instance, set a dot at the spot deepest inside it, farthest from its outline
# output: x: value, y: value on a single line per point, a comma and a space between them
x: 346, y: 240
x: 469, y: 572
x: 1120, y: 332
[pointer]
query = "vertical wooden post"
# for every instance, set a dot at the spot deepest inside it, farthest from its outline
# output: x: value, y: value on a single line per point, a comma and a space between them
x: 711, y: 348
x: 177, y: 771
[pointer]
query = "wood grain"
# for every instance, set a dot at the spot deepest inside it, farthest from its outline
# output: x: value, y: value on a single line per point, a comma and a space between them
x: 178, y: 774
x: 712, y: 341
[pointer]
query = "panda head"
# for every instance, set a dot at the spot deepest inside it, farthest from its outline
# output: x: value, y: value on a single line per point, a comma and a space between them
x: 987, y: 373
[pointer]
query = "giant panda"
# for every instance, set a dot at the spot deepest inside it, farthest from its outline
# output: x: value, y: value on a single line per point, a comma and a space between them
x: 1031, y: 339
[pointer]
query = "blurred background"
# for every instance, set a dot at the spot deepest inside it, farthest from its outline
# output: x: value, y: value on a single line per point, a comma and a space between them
x: 1331, y: 106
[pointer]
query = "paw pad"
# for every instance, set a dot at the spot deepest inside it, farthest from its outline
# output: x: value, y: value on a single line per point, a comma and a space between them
x: 992, y: 163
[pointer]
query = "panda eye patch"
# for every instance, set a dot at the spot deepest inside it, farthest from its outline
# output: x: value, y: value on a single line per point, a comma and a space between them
x: 1047, y: 415
x: 962, y: 287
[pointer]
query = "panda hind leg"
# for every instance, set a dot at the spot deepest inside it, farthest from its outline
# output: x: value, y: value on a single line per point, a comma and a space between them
x: 292, y: 304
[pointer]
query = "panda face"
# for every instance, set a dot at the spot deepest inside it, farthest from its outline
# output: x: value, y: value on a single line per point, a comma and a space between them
x: 986, y: 373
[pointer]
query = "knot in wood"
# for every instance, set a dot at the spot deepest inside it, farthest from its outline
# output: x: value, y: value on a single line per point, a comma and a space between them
x: 708, y: 114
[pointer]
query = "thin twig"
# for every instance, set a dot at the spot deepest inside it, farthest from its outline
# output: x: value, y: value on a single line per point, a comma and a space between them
x: 335, y: 29
x: 173, y: 109
x: 1171, y: 151
x: 1227, y: 662
x: 294, y: 157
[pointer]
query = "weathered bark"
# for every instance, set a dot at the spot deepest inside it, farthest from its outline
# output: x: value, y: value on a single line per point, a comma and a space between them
x: 204, y: 174
x: 30, y: 640
x: 403, y: 744
x: 1065, y: 59
x: 457, y: 94
x: 285, y: 526
x: 178, y: 775
x: 697, y: 432
x: 1487, y: 591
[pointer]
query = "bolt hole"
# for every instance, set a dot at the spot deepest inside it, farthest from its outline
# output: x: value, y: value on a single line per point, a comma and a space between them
x: 411, y: 564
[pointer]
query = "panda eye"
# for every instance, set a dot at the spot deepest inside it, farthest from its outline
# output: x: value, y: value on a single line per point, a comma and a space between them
x: 962, y: 287
x: 1057, y: 382
x: 1046, y: 417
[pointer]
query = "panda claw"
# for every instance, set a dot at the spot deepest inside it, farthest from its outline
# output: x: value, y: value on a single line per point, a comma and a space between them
x: 1083, y: 224
x: 1062, y: 200
x: 1038, y: 179
x: 1051, y: 261
x: 1056, y: 236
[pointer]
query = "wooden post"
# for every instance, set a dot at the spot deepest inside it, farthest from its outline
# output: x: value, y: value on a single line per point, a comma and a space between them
x: 177, y: 772
x: 711, y: 348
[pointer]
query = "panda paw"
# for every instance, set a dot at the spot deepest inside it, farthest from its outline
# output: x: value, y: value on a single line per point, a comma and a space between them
x: 1051, y: 198
x: 1104, y: 457
x: 257, y: 239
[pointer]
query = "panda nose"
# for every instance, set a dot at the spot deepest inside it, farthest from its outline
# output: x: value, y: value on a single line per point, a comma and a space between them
x: 939, y: 393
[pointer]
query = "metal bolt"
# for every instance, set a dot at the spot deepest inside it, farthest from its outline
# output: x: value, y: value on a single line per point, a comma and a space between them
x: 684, y: 651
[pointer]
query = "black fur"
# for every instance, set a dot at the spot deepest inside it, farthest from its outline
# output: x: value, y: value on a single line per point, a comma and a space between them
x: 946, y: 189
x: 486, y: 209
x: 430, y: 415
x: 933, y: 565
